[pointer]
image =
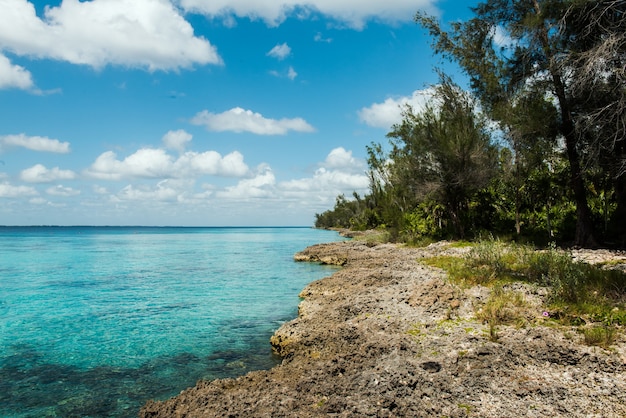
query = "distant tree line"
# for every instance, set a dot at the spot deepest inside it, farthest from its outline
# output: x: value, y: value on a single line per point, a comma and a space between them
x: 536, y: 150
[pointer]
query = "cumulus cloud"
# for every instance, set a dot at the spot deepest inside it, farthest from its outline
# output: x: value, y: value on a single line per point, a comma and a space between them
x: 329, y: 182
x: 280, y: 52
x: 8, y: 190
x: 339, y: 158
x: 386, y: 114
x: 145, y: 163
x: 157, y: 163
x: 352, y: 13
x: 62, y: 191
x: 14, y: 76
x: 140, y: 33
x: 241, y: 120
x: 212, y: 163
x: 35, y: 143
x: 340, y: 173
x: 259, y: 186
x: 40, y: 174
x: 176, y: 140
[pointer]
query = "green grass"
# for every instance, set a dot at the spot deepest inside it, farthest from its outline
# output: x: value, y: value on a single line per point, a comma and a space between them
x: 601, y: 336
x: 444, y: 262
x: 580, y: 294
x: 503, y: 307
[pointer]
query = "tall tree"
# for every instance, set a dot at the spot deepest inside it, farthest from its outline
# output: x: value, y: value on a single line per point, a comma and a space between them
x: 596, y: 34
x: 443, y: 152
x: 538, y: 62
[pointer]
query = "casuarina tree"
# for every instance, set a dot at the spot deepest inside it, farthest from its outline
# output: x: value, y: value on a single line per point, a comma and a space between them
x: 544, y: 49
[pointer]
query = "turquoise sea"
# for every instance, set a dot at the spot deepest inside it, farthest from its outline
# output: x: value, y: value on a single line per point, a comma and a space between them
x: 94, y: 321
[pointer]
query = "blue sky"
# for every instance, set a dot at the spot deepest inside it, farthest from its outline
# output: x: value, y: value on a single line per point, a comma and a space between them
x: 200, y: 112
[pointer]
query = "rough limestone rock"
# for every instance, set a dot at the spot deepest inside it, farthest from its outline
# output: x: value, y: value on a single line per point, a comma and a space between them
x: 388, y: 337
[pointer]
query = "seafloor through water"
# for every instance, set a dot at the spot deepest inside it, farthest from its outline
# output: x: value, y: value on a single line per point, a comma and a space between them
x: 95, y: 321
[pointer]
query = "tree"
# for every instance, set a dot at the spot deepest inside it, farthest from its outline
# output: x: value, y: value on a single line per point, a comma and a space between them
x: 346, y: 214
x: 596, y: 32
x: 443, y: 153
x: 539, y: 64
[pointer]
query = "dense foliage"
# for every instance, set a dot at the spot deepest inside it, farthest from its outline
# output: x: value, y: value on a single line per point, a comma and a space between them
x: 544, y: 158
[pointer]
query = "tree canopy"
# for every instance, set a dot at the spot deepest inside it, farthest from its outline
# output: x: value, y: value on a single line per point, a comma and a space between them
x: 551, y: 74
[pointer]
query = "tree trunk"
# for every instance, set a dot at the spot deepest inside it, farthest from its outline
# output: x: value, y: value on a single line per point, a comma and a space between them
x: 518, y: 223
x: 619, y: 217
x: 585, y: 236
x: 455, y: 210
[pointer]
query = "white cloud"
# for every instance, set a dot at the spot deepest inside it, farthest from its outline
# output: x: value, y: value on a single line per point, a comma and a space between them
x: 353, y: 13
x: 386, y: 114
x: 38, y: 201
x: 40, y: 174
x: 176, y: 140
x: 340, y: 173
x: 14, y: 76
x: 241, y: 120
x: 156, y: 163
x: 35, y: 143
x: 140, y: 33
x: 339, y: 158
x: 145, y: 163
x: 212, y: 163
x: 328, y: 182
x: 99, y: 189
x: 162, y: 192
x: 63, y: 191
x: 291, y: 73
x: 260, y: 186
x: 280, y: 52
x: 319, y: 38
x: 257, y: 197
x: 8, y: 190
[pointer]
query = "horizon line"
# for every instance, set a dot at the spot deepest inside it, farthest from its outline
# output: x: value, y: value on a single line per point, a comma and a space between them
x: 153, y: 226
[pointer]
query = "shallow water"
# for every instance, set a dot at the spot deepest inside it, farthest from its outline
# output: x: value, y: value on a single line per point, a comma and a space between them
x: 95, y: 321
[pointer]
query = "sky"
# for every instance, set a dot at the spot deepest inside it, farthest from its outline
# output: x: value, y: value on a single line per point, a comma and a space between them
x: 201, y: 112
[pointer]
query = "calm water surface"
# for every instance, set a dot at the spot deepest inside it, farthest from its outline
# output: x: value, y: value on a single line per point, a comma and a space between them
x: 95, y: 321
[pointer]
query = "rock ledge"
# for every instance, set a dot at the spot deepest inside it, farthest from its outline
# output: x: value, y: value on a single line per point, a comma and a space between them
x: 388, y: 337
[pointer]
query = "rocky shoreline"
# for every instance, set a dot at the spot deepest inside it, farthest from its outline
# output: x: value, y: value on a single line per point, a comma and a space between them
x: 386, y: 336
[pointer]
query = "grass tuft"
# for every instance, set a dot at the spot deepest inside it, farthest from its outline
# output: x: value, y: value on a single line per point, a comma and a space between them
x: 579, y: 293
x: 601, y: 336
x: 504, y: 307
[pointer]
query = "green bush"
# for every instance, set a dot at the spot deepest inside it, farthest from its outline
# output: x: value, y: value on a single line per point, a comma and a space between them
x: 555, y: 268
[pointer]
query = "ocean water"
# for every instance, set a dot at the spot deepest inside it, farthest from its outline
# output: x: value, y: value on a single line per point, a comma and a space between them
x: 94, y: 321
